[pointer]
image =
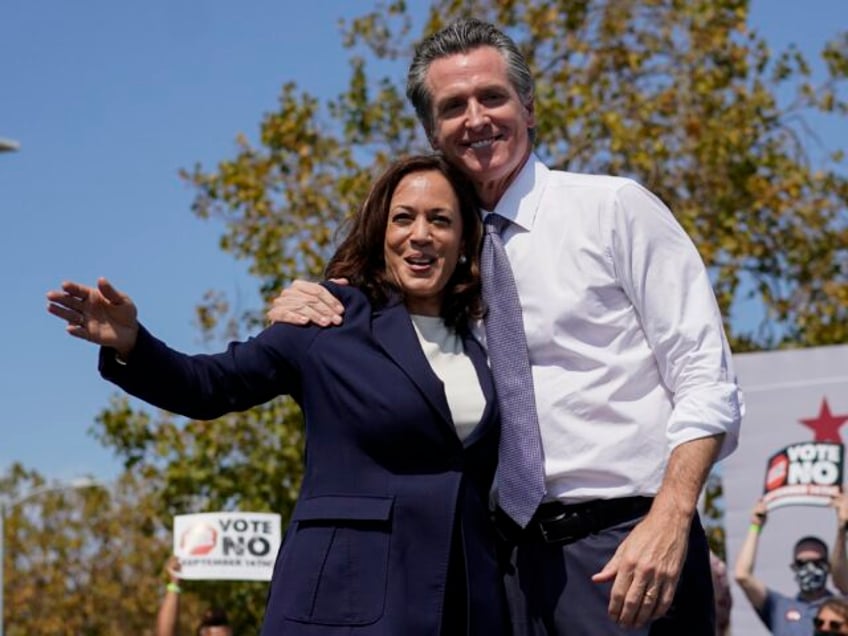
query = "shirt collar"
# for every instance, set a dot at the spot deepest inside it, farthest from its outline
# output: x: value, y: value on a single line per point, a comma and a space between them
x: 816, y: 602
x: 521, y: 200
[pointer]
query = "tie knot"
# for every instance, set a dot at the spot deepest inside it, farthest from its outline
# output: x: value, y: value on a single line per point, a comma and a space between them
x: 496, y: 224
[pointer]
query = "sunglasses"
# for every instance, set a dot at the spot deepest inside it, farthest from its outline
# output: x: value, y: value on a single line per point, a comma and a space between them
x: 835, y: 626
x: 797, y: 564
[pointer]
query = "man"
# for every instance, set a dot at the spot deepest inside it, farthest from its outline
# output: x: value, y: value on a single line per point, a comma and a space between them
x: 721, y: 591
x: 634, y: 388
x: 784, y: 615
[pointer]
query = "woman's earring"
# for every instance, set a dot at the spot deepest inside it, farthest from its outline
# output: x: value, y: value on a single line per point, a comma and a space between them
x: 462, y: 259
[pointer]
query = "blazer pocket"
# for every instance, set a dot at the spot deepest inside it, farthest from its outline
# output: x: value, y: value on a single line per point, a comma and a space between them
x: 334, y: 568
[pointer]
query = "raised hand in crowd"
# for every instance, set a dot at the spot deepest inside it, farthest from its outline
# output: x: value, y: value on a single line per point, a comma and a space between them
x: 169, y: 610
x: 753, y: 587
x: 838, y: 558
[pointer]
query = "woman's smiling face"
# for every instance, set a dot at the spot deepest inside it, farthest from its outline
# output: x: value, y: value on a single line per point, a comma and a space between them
x: 423, y: 239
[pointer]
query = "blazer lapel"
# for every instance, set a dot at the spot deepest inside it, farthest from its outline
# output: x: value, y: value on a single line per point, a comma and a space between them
x: 392, y: 329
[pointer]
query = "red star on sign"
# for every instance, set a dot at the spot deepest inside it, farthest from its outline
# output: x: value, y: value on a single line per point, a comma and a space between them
x: 826, y: 425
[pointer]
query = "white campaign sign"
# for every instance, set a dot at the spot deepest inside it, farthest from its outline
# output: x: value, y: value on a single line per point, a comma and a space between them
x: 227, y: 545
x: 797, y: 402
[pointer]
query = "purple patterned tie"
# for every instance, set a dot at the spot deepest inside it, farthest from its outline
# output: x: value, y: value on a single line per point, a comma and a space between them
x: 521, y: 476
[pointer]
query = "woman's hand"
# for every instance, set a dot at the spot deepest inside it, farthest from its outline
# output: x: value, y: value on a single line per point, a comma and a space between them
x: 101, y: 315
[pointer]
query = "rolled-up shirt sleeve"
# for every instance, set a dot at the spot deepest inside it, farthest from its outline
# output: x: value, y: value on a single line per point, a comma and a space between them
x: 663, y: 275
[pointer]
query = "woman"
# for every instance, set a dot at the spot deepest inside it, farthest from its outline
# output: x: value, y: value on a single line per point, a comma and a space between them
x: 390, y: 533
x: 832, y: 618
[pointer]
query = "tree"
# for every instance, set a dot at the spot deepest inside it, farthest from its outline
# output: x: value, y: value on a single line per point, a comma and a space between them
x: 80, y: 561
x: 680, y: 94
x: 683, y: 96
x: 91, y: 562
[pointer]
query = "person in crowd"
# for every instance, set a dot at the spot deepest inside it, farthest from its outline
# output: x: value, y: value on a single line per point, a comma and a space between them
x: 784, y: 615
x: 616, y: 387
x: 723, y: 598
x: 832, y: 618
x: 214, y: 621
x: 391, y: 531
x: 838, y: 558
x: 169, y: 610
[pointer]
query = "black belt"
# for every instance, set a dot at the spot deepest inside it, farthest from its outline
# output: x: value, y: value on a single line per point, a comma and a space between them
x: 555, y: 522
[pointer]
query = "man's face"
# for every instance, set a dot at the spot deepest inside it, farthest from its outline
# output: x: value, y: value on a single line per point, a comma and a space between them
x: 810, y: 567
x: 479, y: 121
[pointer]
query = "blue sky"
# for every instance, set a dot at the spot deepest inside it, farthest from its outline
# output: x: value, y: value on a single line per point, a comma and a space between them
x: 109, y: 100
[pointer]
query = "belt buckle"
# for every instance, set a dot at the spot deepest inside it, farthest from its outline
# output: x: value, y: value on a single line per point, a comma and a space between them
x: 551, y: 529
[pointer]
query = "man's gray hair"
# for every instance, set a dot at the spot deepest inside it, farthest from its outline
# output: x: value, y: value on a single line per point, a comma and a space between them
x: 462, y: 36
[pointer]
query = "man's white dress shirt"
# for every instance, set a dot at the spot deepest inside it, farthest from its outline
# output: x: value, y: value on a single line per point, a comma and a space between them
x: 627, y: 348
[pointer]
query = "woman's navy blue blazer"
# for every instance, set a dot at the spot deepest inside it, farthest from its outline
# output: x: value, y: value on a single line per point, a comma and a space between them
x: 388, y: 486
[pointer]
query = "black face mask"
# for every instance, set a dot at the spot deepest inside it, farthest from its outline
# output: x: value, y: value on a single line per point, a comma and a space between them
x: 811, y: 576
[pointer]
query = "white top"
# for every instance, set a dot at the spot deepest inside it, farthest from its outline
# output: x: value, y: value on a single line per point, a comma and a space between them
x: 626, y: 342
x: 443, y: 349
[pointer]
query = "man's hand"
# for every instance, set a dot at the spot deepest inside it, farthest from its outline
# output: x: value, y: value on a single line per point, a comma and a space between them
x: 743, y: 571
x: 173, y: 569
x: 840, y: 503
x: 759, y: 513
x: 838, y: 557
x: 306, y: 302
x: 645, y: 569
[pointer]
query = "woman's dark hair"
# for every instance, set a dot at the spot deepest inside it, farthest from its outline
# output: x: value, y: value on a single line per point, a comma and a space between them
x: 213, y: 617
x: 360, y: 258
